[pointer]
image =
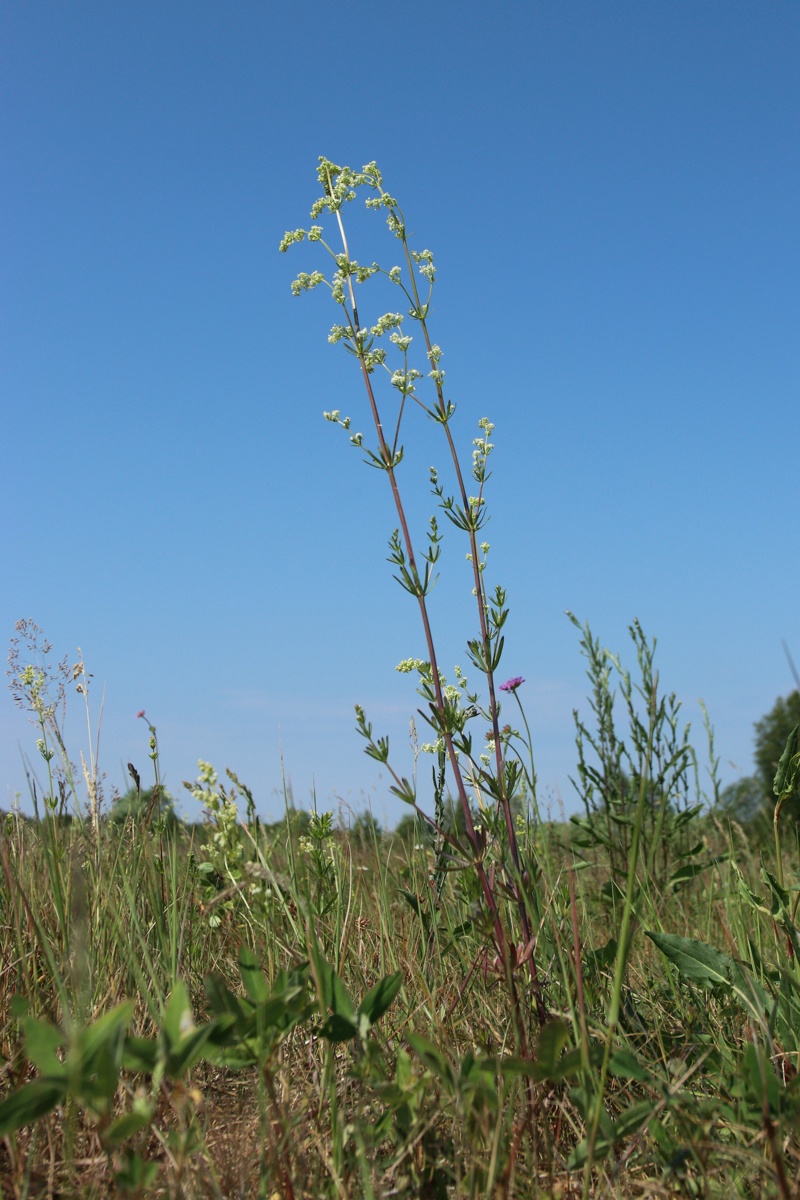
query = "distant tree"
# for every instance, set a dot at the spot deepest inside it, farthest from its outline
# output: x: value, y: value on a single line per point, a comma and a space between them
x: 772, y: 732
x: 751, y: 798
x: 743, y: 800
x: 365, y: 829
x: 413, y: 828
x: 138, y: 804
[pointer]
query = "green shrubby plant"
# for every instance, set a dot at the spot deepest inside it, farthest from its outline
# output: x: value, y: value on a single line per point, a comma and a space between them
x: 616, y: 765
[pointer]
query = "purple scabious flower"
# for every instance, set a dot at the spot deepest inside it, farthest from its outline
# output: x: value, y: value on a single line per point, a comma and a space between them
x: 512, y: 684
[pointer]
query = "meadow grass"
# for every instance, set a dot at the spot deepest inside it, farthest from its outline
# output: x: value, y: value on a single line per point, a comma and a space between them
x: 431, y: 1099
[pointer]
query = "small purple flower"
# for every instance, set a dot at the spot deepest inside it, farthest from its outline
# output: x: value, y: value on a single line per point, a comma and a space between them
x: 512, y: 684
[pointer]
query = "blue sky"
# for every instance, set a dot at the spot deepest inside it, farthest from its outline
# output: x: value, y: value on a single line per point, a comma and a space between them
x: 611, y: 195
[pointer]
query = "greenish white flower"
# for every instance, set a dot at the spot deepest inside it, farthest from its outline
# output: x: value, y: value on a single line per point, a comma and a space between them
x: 404, y: 380
x: 385, y: 323
x: 412, y: 664
x: 305, y: 282
x: 290, y: 237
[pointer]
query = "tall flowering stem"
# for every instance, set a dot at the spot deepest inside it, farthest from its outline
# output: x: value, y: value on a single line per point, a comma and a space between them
x: 446, y: 714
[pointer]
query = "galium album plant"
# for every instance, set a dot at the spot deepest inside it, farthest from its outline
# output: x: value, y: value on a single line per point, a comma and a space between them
x: 393, y: 381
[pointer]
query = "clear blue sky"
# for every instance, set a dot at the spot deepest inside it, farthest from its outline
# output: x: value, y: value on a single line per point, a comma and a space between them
x: 611, y: 192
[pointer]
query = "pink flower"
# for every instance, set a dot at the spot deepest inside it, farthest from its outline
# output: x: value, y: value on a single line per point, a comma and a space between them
x: 512, y: 684
x: 139, y: 714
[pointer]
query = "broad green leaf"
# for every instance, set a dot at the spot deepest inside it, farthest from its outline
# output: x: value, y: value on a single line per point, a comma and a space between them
x: 780, y: 896
x: 604, y: 956
x: 694, y: 960
x: 18, y: 1006
x: 626, y: 1065
x: 705, y: 965
x: 340, y: 1002
x: 334, y: 993
x: 762, y: 1082
x: 140, y: 1054
x: 633, y: 1118
x: 223, y: 1001
x: 107, y: 1033
x: 337, y: 1028
x: 687, y: 872
x: 252, y: 976
x: 786, y: 777
x: 552, y: 1039
x: 128, y: 1124
x: 177, y: 1020
x: 42, y: 1040
x: 747, y: 892
x: 568, y: 1066
x: 687, y: 815
x: 186, y: 1054
x: 30, y: 1102
x: 433, y: 1059
x: 377, y: 1000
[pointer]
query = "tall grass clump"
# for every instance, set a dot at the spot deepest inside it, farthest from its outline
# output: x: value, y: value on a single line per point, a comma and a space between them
x: 482, y: 1003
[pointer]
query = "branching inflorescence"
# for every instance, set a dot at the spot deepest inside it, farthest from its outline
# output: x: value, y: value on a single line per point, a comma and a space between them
x: 497, y: 776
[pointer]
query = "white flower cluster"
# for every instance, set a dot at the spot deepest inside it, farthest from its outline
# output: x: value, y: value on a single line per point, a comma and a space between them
x: 336, y: 418
x: 385, y: 323
x: 290, y: 237
x: 413, y: 664
x: 424, y: 260
x: 404, y: 380
x: 306, y: 283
